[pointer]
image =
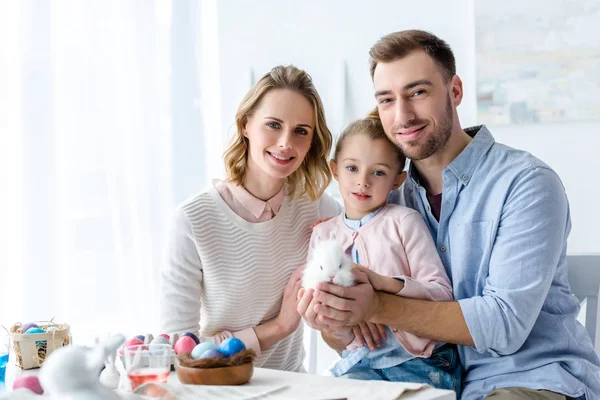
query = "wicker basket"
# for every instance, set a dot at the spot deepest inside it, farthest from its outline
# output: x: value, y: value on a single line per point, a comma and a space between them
x: 32, y: 349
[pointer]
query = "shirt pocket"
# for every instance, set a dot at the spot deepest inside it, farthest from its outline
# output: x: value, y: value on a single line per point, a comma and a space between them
x: 470, y: 252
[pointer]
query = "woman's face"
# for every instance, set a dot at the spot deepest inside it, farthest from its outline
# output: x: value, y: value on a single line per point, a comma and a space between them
x: 280, y: 132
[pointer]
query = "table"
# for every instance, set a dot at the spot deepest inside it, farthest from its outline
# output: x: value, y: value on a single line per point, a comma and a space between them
x: 274, y: 385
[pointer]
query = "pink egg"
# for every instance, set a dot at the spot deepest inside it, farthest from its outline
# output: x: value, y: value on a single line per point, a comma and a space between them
x: 165, y: 336
x: 185, y: 344
x: 132, y: 342
x: 28, y: 382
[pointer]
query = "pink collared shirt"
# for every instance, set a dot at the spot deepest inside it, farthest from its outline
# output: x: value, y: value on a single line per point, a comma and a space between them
x: 244, y: 204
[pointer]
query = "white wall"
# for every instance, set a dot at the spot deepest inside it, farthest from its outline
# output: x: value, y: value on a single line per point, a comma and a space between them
x: 330, y: 39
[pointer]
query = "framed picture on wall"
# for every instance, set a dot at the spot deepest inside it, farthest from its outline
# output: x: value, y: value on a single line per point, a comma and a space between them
x: 537, y: 61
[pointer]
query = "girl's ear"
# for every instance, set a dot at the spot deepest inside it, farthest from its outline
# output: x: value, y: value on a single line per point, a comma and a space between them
x: 400, y: 178
x: 333, y: 167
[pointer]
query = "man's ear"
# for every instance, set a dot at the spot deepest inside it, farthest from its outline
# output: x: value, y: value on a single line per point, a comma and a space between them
x: 333, y: 167
x: 456, y: 90
x: 400, y: 178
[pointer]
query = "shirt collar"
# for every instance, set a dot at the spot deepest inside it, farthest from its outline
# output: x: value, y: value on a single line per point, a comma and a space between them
x: 355, y: 224
x: 254, y: 205
x: 464, y: 164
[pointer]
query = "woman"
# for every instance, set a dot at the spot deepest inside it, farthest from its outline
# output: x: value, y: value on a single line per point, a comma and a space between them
x: 235, y: 245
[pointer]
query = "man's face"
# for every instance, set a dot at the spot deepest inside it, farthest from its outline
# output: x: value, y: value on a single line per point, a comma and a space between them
x: 414, y: 104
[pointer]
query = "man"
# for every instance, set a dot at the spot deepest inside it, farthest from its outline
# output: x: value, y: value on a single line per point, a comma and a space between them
x: 500, y: 220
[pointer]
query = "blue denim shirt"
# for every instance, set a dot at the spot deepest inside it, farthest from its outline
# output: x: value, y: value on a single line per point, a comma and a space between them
x: 502, y: 236
x: 391, y: 352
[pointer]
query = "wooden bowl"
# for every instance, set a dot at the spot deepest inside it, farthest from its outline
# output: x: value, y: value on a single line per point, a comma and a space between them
x: 237, y: 375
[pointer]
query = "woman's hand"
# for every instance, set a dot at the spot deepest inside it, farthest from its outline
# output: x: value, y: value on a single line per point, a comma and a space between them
x: 317, y: 222
x: 288, y: 318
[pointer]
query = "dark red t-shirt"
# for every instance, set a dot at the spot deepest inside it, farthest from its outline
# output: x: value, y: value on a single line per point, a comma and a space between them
x: 435, y: 202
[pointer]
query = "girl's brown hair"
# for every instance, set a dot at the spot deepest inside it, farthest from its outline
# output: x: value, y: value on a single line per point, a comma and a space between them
x: 313, y: 176
x: 371, y: 127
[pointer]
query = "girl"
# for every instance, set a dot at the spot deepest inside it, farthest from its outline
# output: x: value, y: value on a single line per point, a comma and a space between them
x: 235, y: 245
x: 396, y: 246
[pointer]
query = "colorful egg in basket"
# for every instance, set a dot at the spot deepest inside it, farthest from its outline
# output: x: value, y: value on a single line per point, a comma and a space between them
x: 229, y: 364
x: 33, y: 342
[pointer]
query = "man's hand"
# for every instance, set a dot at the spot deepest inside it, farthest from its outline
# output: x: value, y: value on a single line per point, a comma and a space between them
x: 345, y: 306
x: 342, y: 335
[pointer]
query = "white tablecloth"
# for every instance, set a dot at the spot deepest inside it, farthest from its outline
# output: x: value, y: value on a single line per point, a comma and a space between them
x: 276, y: 385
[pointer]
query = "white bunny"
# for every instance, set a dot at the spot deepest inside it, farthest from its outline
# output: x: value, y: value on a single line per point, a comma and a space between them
x: 71, y: 372
x: 328, y: 263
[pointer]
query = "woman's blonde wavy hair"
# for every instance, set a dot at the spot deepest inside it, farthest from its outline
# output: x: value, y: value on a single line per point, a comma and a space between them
x: 313, y: 176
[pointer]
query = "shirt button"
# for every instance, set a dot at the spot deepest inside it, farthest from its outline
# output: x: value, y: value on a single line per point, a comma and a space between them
x: 443, y: 248
x: 465, y: 177
x: 426, y: 208
x: 395, y: 330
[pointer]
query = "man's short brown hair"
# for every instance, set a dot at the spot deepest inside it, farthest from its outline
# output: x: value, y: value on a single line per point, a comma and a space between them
x: 399, y: 44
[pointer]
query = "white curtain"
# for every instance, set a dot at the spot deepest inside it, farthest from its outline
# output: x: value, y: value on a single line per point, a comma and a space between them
x: 96, y: 97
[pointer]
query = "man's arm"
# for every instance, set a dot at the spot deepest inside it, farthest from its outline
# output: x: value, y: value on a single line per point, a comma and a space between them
x: 437, y: 320
x: 442, y: 321
x: 530, y: 241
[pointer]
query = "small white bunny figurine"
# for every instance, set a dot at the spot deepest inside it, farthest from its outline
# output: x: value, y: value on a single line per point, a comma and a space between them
x: 71, y: 372
x: 110, y: 376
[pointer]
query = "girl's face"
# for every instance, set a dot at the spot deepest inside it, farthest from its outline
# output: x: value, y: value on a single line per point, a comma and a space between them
x: 280, y: 133
x: 367, y: 171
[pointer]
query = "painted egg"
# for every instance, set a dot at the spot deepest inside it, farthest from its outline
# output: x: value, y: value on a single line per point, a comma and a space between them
x: 51, y: 329
x: 231, y: 346
x: 30, y: 382
x: 165, y: 336
x: 141, y: 337
x: 214, y: 353
x: 32, y: 331
x: 203, y: 348
x: 28, y: 326
x: 190, y: 334
x: 185, y: 344
x: 159, y: 340
x: 132, y: 342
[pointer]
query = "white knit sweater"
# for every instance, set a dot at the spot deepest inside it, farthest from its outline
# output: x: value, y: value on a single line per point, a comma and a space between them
x: 227, y: 274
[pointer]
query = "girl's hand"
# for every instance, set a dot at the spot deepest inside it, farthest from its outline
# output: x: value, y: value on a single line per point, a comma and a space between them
x: 288, y: 318
x: 370, y: 334
x: 381, y: 282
